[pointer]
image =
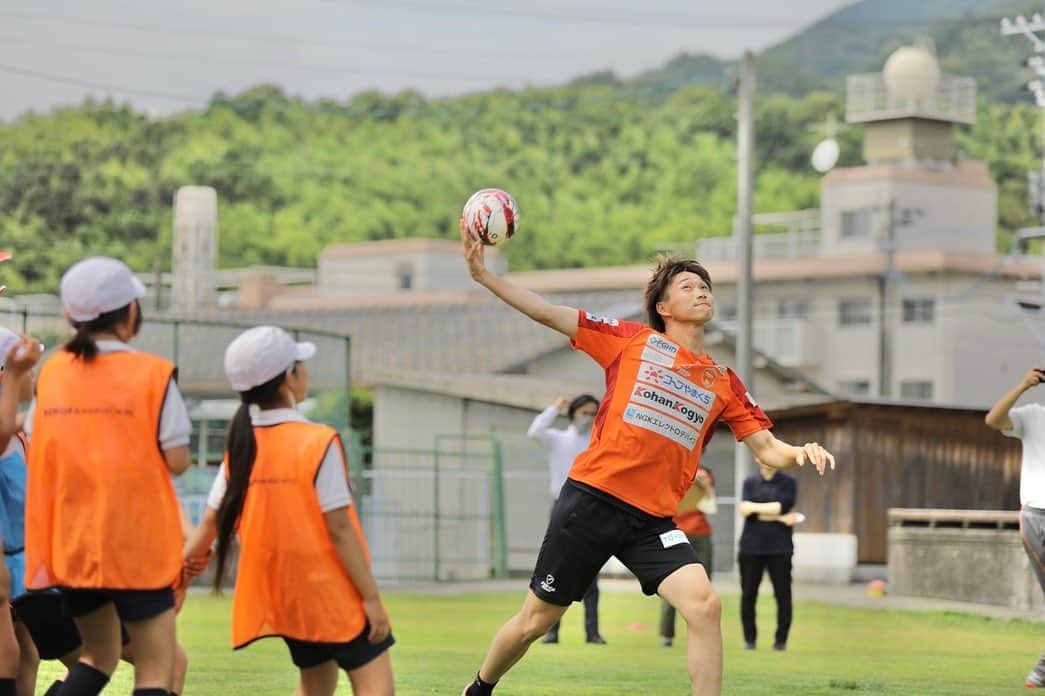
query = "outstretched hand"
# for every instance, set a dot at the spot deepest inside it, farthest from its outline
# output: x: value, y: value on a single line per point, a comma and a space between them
x: 473, y: 252
x: 815, y: 454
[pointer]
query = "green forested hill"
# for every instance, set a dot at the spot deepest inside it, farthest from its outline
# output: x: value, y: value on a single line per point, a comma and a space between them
x: 859, y: 38
x: 604, y: 173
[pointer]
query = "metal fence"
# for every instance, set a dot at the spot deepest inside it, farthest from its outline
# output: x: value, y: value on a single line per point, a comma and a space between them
x: 196, y: 346
x: 433, y: 514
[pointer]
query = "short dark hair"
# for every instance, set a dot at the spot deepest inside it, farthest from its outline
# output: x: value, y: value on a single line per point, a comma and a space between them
x: 579, y: 403
x: 657, y: 289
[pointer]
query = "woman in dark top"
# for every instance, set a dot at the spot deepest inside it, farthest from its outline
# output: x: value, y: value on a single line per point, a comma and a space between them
x: 767, y: 506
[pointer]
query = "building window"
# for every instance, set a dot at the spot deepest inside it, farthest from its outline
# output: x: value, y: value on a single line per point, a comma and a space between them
x: 854, y: 311
x: 856, y: 224
x: 792, y: 308
x: 854, y: 388
x: 918, y: 311
x: 405, y: 273
x: 917, y: 390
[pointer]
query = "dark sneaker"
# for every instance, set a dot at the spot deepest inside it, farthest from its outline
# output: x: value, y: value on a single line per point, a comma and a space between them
x: 780, y: 647
x: 551, y: 638
x: 1035, y: 680
x: 666, y: 642
x: 749, y: 646
x: 596, y: 640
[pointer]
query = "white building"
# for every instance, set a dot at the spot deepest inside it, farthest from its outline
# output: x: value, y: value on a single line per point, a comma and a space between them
x: 894, y: 288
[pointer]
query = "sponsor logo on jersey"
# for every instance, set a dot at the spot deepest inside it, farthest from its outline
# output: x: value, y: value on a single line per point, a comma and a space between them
x: 676, y: 385
x: 608, y: 321
x: 669, y: 404
x: 649, y: 419
x: 662, y: 344
x: 655, y: 356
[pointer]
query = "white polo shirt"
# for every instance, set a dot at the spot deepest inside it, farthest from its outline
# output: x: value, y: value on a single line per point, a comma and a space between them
x: 331, y: 481
x: 1028, y: 425
x: 563, y: 446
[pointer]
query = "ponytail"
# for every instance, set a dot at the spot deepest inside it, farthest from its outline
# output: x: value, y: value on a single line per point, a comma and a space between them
x: 241, y: 450
x: 83, y: 346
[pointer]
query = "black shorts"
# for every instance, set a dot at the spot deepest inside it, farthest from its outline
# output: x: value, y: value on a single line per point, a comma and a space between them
x: 348, y: 656
x: 587, y: 527
x: 54, y: 633
x: 131, y: 605
x: 50, y: 626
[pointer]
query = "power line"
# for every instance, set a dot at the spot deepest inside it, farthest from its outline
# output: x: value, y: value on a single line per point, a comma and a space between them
x: 271, y: 39
x: 131, y: 91
x: 619, y: 15
x: 430, y: 109
x: 195, y: 57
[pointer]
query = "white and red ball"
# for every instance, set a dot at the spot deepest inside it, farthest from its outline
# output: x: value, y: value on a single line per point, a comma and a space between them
x: 491, y: 215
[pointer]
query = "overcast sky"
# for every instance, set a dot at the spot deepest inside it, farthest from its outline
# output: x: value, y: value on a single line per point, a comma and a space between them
x: 167, y: 56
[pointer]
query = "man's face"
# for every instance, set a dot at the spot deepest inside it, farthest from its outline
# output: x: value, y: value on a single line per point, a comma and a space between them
x: 688, y: 299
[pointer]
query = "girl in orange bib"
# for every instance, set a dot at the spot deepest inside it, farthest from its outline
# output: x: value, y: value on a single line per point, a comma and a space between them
x: 304, y: 569
x: 108, y: 428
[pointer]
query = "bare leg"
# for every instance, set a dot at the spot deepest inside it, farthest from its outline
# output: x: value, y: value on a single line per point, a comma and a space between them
x: 374, y: 678
x: 689, y: 591
x: 100, y: 633
x: 517, y: 634
x: 154, y: 643
x: 29, y: 662
x: 320, y: 680
x: 181, y: 669
x: 8, y: 642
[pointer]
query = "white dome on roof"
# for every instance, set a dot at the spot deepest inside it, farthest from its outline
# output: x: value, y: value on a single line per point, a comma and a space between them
x: 911, y: 72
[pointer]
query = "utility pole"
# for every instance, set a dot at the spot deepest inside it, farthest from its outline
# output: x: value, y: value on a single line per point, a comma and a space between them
x: 743, y: 233
x: 1029, y: 29
x: 1020, y: 26
x: 885, y: 333
x: 897, y: 218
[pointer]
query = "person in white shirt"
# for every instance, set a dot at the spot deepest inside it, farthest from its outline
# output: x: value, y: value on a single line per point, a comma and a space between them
x: 563, y: 447
x: 1027, y: 423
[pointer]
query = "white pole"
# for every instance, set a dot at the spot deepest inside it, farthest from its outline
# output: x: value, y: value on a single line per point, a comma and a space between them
x: 743, y: 232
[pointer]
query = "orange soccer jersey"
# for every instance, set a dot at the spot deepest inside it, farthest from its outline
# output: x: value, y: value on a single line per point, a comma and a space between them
x: 291, y: 581
x: 661, y: 406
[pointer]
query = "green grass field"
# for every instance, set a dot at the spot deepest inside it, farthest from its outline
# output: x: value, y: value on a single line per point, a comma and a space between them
x: 833, y: 650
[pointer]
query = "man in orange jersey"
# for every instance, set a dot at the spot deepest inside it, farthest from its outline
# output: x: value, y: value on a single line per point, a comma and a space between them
x: 664, y: 395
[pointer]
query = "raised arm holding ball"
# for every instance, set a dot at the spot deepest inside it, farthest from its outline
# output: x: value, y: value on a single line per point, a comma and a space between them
x: 666, y: 395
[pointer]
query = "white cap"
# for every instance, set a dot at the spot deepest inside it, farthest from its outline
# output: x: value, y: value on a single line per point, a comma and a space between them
x: 258, y: 355
x: 98, y: 285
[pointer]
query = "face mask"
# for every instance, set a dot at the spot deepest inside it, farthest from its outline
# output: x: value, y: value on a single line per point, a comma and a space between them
x: 583, y: 423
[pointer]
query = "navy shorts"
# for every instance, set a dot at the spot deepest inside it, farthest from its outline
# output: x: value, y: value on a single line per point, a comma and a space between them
x: 348, y: 656
x: 586, y: 528
x: 131, y: 605
x: 50, y: 626
x: 46, y: 617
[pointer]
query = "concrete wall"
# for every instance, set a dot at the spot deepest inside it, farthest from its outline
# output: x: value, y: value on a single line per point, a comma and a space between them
x: 953, y: 218
x: 378, y: 274
x: 986, y: 566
